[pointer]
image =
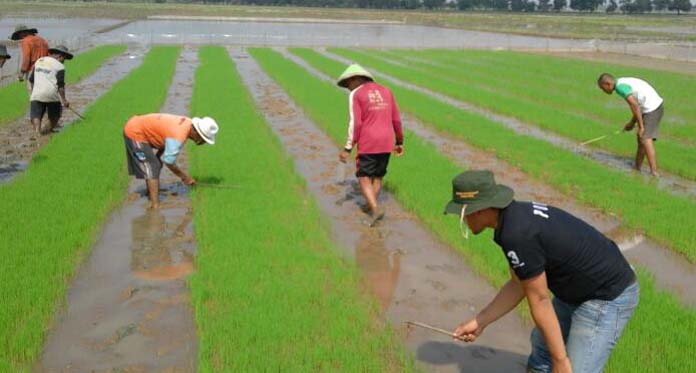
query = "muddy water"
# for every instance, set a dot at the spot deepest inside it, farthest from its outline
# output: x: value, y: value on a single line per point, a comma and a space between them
x: 671, y: 271
x: 413, y: 276
x: 667, y: 182
x: 19, y: 143
x: 128, y: 308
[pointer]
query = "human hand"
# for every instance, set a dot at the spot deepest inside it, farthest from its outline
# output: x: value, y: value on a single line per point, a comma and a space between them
x: 343, y: 156
x: 469, y: 331
x: 66, y: 103
x: 399, y: 150
x: 562, y: 366
x: 188, y: 180
x: 641, y: 131
x: 629, y: 126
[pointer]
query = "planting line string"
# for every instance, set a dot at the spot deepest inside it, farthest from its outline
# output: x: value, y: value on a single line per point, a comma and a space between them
x: 600, y: 138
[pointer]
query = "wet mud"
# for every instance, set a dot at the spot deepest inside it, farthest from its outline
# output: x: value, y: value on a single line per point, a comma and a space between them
x: 18, y: 141
x: 671, y: 271
x: 411, y: 274
x: 128, y: 308
x: 667, y: 182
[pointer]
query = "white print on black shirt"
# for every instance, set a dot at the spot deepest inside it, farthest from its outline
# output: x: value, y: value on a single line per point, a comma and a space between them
x: 514, y: 260
x: 539, y: 209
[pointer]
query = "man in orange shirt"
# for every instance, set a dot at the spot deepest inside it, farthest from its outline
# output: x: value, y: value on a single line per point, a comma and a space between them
x: 165, y: 133
x: 33, y: 47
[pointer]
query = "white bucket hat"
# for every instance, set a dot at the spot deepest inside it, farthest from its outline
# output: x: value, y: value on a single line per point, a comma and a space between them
x: 206, y: 127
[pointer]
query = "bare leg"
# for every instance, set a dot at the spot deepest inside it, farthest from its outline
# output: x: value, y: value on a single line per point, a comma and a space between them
x: 640, y: 155
x: 54, y: 123
x: 649, y: 150
x: 36, y: 124
x: 153, y: 191
x: 368, y: 192
x: 377, y: 186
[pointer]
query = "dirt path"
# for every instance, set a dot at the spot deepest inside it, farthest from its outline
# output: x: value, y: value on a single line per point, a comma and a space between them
x: 413, y: 276
x: 671, y: 271
x: 667, y: 182
x: 682, y: 67
x: 19, y: 143
x: 128, y: 308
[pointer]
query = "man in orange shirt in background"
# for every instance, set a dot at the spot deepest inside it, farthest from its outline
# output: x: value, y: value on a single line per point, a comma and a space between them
x: 166, y: 133
x: 33, y: 47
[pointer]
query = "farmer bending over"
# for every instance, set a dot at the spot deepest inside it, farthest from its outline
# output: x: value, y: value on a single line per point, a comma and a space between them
x: 165, y: 133
x: 374, y: 126
x: 47, y: 83
x: 595, y: 289
x: 33, y: 47
x: 646, y: 108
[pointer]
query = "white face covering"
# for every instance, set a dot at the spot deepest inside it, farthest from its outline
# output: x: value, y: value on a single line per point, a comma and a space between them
x: 462, y: 225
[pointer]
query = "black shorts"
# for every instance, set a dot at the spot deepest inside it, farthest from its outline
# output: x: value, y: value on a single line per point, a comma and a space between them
x: 371, y: 165
x: 39, y: 108
x: 143, y: 163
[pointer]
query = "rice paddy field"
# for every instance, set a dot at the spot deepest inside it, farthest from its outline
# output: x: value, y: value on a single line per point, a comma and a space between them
x: 279, y: 268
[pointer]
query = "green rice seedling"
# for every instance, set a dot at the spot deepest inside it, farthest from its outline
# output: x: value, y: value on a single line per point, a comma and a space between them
x: 53, y: 212
x: 271, y: 292
x: 15, y: 98
x: 589, y: 182
x: 572, y: 89
x: 424, y: 193
x: 675, y: 157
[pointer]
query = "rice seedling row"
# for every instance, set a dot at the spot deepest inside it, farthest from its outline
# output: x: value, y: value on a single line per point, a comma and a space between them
x: 659, y: 314
x: 674, y: 157
x: 15, y: 98
x: 576, y: 176
x: 270, y: 291
x: 53, y: 212
x: 574, y: 90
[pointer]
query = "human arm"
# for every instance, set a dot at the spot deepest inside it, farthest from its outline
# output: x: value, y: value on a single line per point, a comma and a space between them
x: 509, y: 296
x: 60, y: 82
x: 398, y: 128
x: 354, y: 124
x: 537, y: 292
x: 172, y: 148
x: 637, y: 115
x: 25, y: 65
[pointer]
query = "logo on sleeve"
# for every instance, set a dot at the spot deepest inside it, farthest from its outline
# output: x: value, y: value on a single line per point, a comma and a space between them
x: 514, y: 260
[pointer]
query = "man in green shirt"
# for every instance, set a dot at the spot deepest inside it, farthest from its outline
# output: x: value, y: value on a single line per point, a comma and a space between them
x: 647, y: 110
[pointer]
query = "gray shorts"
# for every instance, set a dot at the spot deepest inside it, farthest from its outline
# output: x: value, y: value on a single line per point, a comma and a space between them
x: 143, y: 163
x: 651, y: 122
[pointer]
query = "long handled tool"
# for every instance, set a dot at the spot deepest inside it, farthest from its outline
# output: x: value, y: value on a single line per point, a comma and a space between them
x: 218, y: 186
x: 433, y: 328
x: 76, y: 113
x: 590, y: 141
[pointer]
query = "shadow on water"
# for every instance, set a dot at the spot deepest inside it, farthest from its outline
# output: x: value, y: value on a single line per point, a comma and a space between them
x: 468, y: 358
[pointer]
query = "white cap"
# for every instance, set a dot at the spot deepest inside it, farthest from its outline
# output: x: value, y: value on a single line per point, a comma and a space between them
x: 206, y: 127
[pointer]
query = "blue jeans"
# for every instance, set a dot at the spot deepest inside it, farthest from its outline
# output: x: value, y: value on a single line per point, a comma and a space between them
x: 590, y: 331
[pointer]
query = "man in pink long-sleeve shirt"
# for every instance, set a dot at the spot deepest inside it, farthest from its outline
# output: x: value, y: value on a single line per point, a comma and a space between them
x: 375, y: 128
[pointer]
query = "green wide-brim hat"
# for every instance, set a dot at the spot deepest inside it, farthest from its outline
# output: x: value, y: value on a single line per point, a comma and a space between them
x: 21, y: 28
x: 351, y: 72
x: 478, y: 191
x: 62, y: 49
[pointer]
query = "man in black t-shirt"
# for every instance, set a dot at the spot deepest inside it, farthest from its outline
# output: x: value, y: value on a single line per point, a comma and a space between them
x: 547, y: 248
